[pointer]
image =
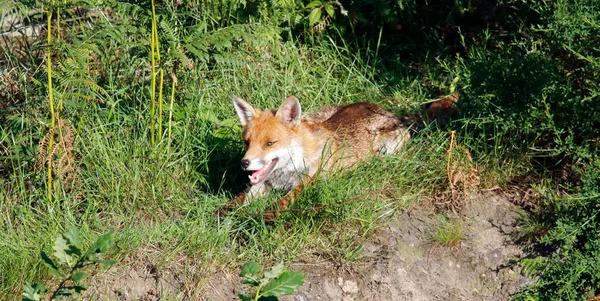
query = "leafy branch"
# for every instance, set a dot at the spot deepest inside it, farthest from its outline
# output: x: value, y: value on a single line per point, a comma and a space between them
x: 68, y: 252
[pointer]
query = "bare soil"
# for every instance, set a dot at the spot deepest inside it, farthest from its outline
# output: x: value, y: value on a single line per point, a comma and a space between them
x: 400, y: 262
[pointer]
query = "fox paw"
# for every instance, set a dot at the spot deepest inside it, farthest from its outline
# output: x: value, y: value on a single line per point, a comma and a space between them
x: 270, y: 216
x: 227, y: 208
x: 232, y: 204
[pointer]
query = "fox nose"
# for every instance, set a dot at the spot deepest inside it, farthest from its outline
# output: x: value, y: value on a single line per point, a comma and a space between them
x: 245, y: 163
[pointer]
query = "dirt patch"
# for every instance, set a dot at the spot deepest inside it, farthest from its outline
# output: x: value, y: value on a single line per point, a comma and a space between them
x: 400, y: 262
x: 403, y: 262
x: 136, y: 282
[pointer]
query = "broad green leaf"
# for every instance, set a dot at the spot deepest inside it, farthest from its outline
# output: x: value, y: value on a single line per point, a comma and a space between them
x: 222, y: 132
x: 108, y: 263
x: 250, y: 273
x: 250, y: 269
x: 314, y: 16
x: 74, y: 241
x: 50, y: 265
x: 285, y: 284
x: 31, y: 292
x: 64, y: 292
x: 79, y: 288
x: 251, y: 281
x: 73, y: 236
x: 313, y: 4
x: 74, y: 250
x: 330, y: 10
x: 105, y: 241
x: 61, y: 248
x: 229, y: 122
x: 101, y: 244
x: 275, y: 271
x: 76, y: 277
x: 267, y: 298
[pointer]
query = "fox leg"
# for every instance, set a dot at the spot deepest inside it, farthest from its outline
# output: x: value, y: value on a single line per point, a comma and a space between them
x: 281, y: 204
x: 244, y: 198
x: 254, y: 192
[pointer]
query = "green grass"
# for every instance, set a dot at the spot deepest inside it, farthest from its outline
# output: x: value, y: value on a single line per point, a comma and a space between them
x: 448, y: 232
x: 163, y: 198
x: 523, y: 112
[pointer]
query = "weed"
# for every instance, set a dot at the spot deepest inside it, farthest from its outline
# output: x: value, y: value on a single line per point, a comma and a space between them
x: 50, y: 142
x: 71, y: 262
x: 461, y: 173
x: 155, y: 60
x: 271, y: 284
x: 448, y: 232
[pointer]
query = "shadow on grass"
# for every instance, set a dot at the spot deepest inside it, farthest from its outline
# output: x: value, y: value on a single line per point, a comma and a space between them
x: 225, y: 174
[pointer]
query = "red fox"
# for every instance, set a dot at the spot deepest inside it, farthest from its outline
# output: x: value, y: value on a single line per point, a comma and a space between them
x: 284, y: 150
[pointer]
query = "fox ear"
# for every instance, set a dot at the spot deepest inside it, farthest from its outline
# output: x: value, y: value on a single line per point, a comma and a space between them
x: 245, y: 111
x: 290, y: 112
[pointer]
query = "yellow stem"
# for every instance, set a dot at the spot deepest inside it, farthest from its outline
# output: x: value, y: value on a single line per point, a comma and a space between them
x: 58, y: 23
x: 51, y: 100
x: 155, y: 32
x: 153, y: 67
x: 155, y: 57
x: 160, y: 102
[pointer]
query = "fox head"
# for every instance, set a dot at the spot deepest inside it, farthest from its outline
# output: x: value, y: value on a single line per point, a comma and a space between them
x: 271, y: 138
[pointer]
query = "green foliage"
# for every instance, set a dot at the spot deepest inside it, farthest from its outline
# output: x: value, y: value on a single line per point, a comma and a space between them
x: 318, y: 8
x: 526, y: 70
x: 448, y: 232
x: 527, y: 74
x: 271, y: 284
x: 534, y: 98
x: 572, y: 271
x: 533, y: 101
x: 71, y: 262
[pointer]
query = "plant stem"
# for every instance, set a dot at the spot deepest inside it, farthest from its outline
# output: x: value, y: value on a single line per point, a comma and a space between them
x: 153, y: 70
x: 160, y: 102
x: 51, y: 101
x: 58, y: 23
x: 79, y: 264
x: 257, y: 296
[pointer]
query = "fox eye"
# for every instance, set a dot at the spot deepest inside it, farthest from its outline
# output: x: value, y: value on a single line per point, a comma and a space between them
x: 246, y: 143
x: 270, y: 143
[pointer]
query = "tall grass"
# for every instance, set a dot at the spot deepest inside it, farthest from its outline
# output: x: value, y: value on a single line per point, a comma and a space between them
x: 50, y: 102
x: 155, y: 60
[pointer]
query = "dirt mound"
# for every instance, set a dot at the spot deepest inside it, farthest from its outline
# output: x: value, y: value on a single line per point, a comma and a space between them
x: 401, y: 262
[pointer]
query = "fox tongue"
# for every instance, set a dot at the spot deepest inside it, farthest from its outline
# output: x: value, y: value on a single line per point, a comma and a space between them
x: 258, y: 175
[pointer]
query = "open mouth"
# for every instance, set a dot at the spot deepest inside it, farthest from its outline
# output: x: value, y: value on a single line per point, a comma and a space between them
x: 258, y: 176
